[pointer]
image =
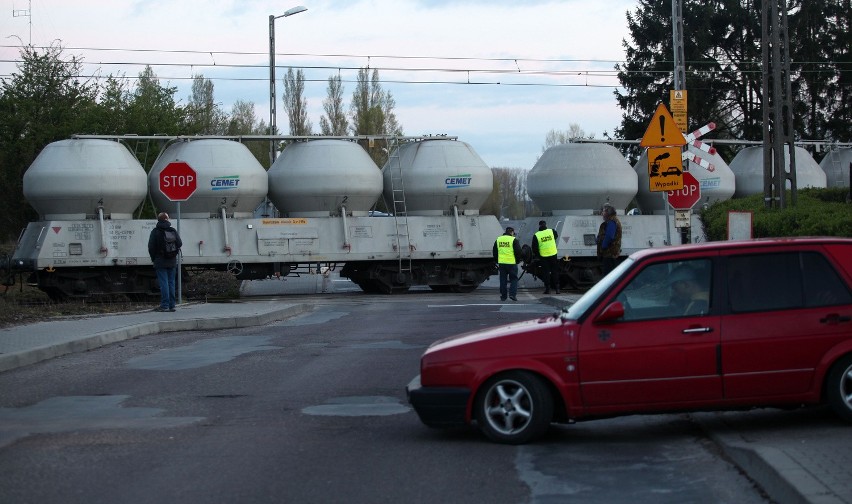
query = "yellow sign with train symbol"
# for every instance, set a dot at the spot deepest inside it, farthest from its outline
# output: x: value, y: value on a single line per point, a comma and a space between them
x: 664, y: 140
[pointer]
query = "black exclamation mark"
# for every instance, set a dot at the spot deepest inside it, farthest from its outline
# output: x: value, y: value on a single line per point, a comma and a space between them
x: 662, y: 129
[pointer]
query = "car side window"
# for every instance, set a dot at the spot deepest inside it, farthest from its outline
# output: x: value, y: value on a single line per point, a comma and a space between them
x: 822, y: 285
x: 764, y: 282
x: 668, y: 289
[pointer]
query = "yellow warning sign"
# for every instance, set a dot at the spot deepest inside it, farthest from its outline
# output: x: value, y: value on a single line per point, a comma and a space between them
x: 677, y: 104
x: 662, y: 130
x: 665, y: 169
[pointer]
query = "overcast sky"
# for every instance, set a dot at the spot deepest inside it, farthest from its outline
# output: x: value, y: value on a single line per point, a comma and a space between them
x: 497, y: 74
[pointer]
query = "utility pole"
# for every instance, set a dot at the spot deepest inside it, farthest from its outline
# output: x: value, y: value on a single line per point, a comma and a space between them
x: 778, y: 131
x: 25, y: 13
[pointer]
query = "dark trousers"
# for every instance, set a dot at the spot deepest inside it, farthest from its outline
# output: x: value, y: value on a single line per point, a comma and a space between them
x: 508, y: 275
x: 166, y: 279
x: 608, y: 264
x: 550, y: 272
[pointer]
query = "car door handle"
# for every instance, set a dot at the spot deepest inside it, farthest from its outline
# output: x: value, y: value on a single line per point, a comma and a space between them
x: 697, y: 330
x: 835, y: 318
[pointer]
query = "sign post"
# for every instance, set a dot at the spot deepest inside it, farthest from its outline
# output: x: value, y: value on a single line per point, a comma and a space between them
x: 178, y: 181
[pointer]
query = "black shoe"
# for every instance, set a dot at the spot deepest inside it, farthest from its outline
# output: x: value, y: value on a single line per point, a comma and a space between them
x: 171, y: 309
x: 557, y: 291
x: 513, y: 298
x: 502, y: 299
x: 547, y: 291
x: 160, y: 309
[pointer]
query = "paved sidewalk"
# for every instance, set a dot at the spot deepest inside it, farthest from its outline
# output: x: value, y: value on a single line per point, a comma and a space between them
x: 801, y: 456
x: 31, y: 343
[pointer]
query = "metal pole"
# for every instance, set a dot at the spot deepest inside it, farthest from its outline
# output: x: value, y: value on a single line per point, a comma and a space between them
x: 272, y: 126
x: 273, y: 130
x: 179, y: 261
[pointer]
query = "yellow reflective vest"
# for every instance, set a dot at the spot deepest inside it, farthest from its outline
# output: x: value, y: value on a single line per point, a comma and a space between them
x: 506, y: 250
x: 546, y: 243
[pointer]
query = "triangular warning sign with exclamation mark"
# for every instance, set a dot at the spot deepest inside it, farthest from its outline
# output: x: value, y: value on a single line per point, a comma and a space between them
x: 662, y: 130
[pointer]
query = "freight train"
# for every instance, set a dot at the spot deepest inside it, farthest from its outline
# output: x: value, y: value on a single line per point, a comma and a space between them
x: 316, y: 207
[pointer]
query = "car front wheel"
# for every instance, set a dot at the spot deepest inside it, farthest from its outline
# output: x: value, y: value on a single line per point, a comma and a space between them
x: 839, y: 388
x: 514, y: 408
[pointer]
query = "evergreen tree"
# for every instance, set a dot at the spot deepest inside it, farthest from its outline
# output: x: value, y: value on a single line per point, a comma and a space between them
x: 723, y: 63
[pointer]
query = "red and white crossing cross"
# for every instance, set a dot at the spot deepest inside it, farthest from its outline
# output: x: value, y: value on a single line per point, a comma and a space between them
x: 693, y: 137
x: 178, y: 181
x: 688, y: 156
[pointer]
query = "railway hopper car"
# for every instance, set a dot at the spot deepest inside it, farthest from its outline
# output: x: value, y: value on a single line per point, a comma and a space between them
x: 87, y: 241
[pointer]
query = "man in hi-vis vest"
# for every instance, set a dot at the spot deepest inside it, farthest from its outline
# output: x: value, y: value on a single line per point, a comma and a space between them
x: 544, y: 247
x: 507, y: 252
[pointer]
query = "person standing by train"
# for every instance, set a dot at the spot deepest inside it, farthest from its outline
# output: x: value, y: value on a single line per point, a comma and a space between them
x: 609, y: 239
x: 164, y: 245
x: 507, y: 252
x: 544, y: 247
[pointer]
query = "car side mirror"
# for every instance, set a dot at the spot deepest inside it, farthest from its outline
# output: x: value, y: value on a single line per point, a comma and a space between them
x: 611, y: 313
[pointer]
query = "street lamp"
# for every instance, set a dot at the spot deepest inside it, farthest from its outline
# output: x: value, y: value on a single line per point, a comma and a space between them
x: 272, y: 126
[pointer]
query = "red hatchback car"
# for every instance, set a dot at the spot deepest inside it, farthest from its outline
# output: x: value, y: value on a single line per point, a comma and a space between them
x: 721, y: 325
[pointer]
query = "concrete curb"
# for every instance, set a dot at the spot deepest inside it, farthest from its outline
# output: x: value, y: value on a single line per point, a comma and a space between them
x: 33, y: 355
x: 783, y: 478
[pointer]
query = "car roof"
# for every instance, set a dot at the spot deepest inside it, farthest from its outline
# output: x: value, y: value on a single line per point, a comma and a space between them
x: 763, y: 243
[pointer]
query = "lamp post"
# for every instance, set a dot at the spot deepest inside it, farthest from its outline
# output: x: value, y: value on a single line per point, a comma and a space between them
x: 272, y: 126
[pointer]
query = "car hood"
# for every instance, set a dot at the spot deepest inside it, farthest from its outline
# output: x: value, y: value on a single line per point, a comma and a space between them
x: 528, y: 335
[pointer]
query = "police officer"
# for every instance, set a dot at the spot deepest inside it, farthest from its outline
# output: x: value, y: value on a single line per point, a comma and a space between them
x: 507, y: 252
x: 544, y: 247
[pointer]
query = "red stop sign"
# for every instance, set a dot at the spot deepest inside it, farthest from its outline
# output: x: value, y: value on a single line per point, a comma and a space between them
x: 685, y: 198
x: 178, y: 181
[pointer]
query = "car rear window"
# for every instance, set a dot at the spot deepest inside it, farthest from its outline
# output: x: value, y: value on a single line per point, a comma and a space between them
x: 783, y: 281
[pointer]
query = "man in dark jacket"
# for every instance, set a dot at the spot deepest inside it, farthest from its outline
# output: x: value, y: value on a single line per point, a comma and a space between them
x: 164, y: 247
x: 544, y: 247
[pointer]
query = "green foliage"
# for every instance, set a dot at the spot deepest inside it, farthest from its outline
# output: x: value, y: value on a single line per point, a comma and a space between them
x: 723, y: 61
x: 818, y: 212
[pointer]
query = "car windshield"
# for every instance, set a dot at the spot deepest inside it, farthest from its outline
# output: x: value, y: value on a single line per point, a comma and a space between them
x: 578, y: 309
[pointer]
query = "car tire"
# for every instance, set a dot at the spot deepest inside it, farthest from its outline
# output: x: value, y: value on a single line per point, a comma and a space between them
x: 839, y: 388
x: 514, y: 408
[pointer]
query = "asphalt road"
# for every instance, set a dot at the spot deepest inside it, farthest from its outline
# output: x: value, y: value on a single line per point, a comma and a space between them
x: 312, y: 409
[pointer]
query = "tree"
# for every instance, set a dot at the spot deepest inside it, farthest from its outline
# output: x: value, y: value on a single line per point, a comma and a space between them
x: 296, y: 104
x: 242, y: 121
x: 372, y: 108
x: 334, y: 122
x: 556, y: 137
x: 152, y: 109
x: 45, y: 100
x: 723, y: 63
x: 508, y: 198
x: 203, y: 114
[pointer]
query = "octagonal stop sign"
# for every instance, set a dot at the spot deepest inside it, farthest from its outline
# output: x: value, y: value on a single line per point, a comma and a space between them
x: 178, y: 181
x: 684, y: 199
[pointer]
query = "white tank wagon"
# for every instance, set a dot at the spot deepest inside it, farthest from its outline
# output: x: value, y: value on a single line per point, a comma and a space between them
x: 837, y: 164
x: 570, y: 183
x: 434, y: 189
x: 231, y: 182
x: 81, y: 255
x: 438, y: 176
x: 72, y: 179
x: 323, y: 178
x: 747, y: 166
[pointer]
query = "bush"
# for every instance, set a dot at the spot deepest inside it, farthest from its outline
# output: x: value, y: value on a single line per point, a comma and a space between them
x: 818, y: 212
x: 206, y: 284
